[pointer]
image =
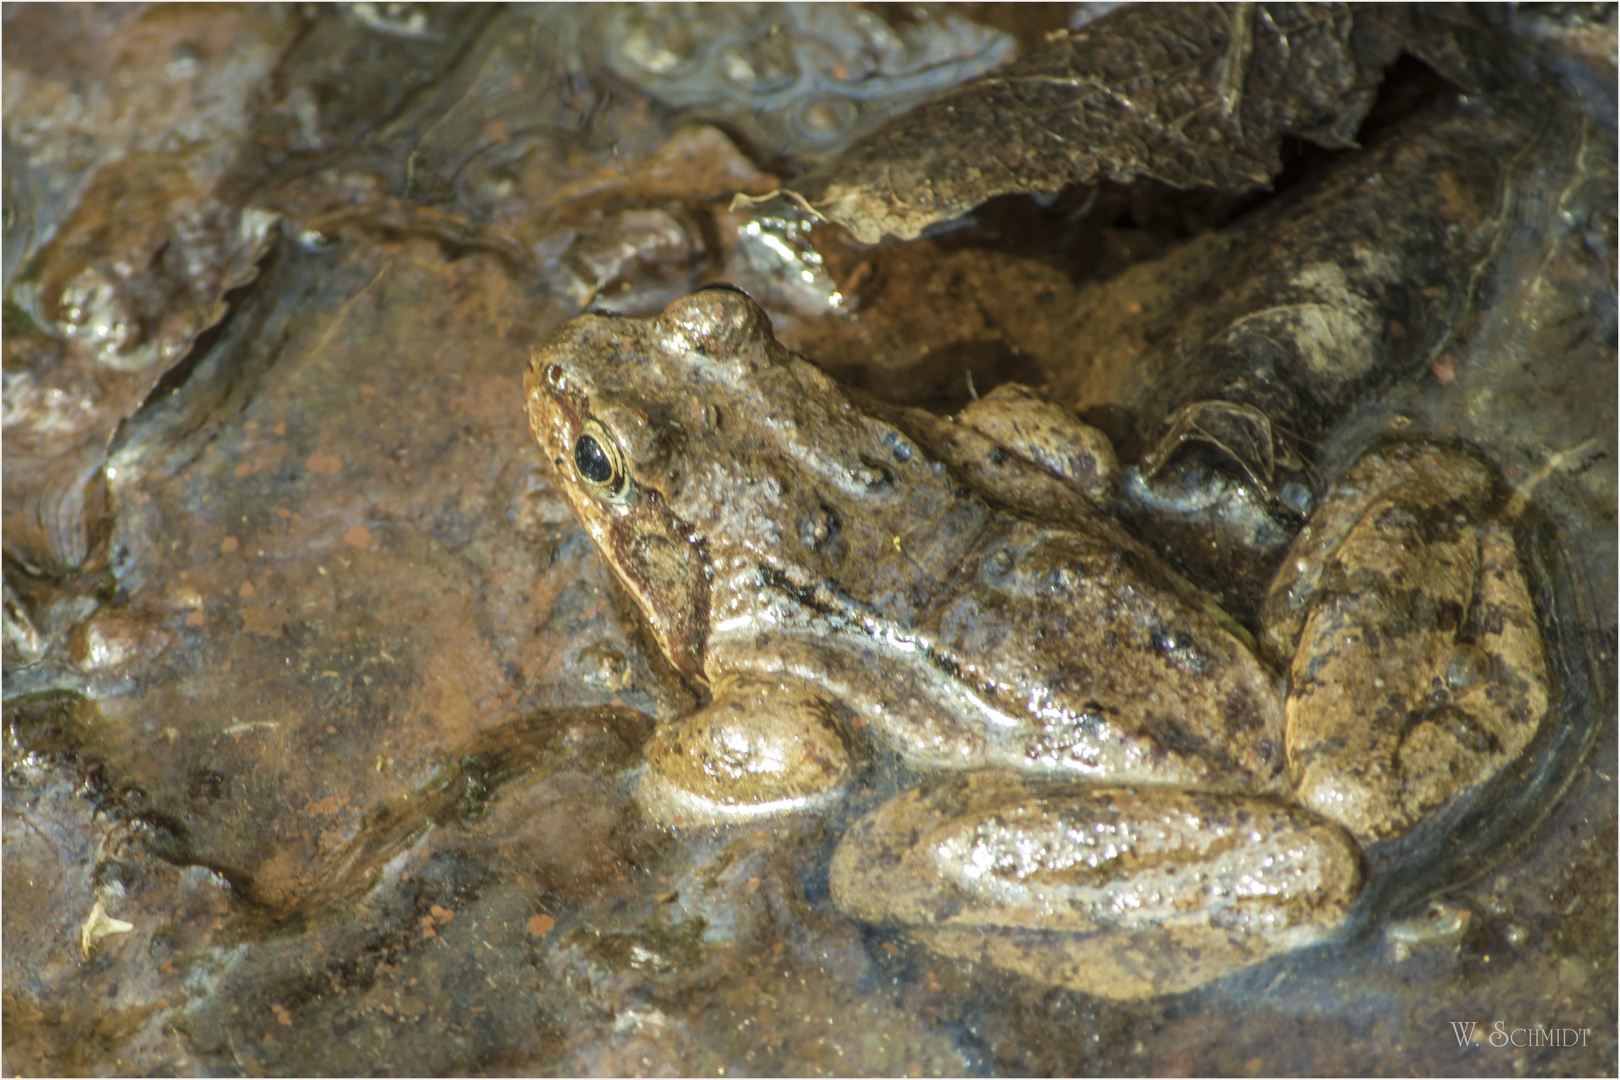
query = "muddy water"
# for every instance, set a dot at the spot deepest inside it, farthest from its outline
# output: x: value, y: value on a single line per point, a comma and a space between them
x: 320, y: 708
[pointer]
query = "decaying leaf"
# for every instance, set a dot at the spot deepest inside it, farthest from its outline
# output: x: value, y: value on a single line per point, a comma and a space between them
x: 1355, y: 280
x: 97, y: 926
x: 1188, y: 94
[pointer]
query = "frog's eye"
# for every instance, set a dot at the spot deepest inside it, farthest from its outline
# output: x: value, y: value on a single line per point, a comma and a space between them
x: 600, y: 464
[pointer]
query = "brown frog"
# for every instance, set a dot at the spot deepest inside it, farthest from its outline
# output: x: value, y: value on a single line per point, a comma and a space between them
x: 1121, y: 795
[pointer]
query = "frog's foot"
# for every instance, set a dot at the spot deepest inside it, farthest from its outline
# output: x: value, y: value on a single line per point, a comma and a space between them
x: 1044, y: 432
x: 1419, y: 672
x: 1120, y: 892
x: 1495, y: 692
x: 764, y: 746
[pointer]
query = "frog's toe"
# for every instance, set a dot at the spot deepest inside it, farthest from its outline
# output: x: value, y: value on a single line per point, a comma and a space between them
x: 1441, y: 483
x: 764, y: 747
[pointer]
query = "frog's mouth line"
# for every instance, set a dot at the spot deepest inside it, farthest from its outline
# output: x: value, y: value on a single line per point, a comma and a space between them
x: 666, y: 570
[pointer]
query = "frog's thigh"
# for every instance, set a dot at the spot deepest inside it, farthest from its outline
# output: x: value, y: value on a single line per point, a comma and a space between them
x: 1119, y: 892
x: 1494, y: 692
x: 1044, y: 432
x: 763, y: 746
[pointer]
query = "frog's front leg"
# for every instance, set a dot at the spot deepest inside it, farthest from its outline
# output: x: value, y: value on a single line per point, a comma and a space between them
x: 764, y: 745
x: 1045, y: 433
x: 1114, y: 891
x: 1419, y: 670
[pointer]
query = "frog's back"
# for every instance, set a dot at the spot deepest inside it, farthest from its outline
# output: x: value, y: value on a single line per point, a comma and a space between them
x: 1090, y: 649
x: 1088, y: 653
x: 984, y: 613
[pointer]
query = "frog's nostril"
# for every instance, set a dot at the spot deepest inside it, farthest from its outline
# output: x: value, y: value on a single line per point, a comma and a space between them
x: 554, y: 375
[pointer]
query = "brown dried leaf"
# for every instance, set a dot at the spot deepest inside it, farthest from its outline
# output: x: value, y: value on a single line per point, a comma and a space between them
x: 1189, y: 94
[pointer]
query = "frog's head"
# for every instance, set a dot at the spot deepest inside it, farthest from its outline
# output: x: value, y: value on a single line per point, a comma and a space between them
x: 667, y: 436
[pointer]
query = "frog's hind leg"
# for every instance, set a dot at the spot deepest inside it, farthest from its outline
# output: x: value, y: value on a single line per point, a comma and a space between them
x: 763, y: 746
x: 1448, y: 483
x: 1120, y: 892
x: 1418, y: 672
x: 1494, y: 691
